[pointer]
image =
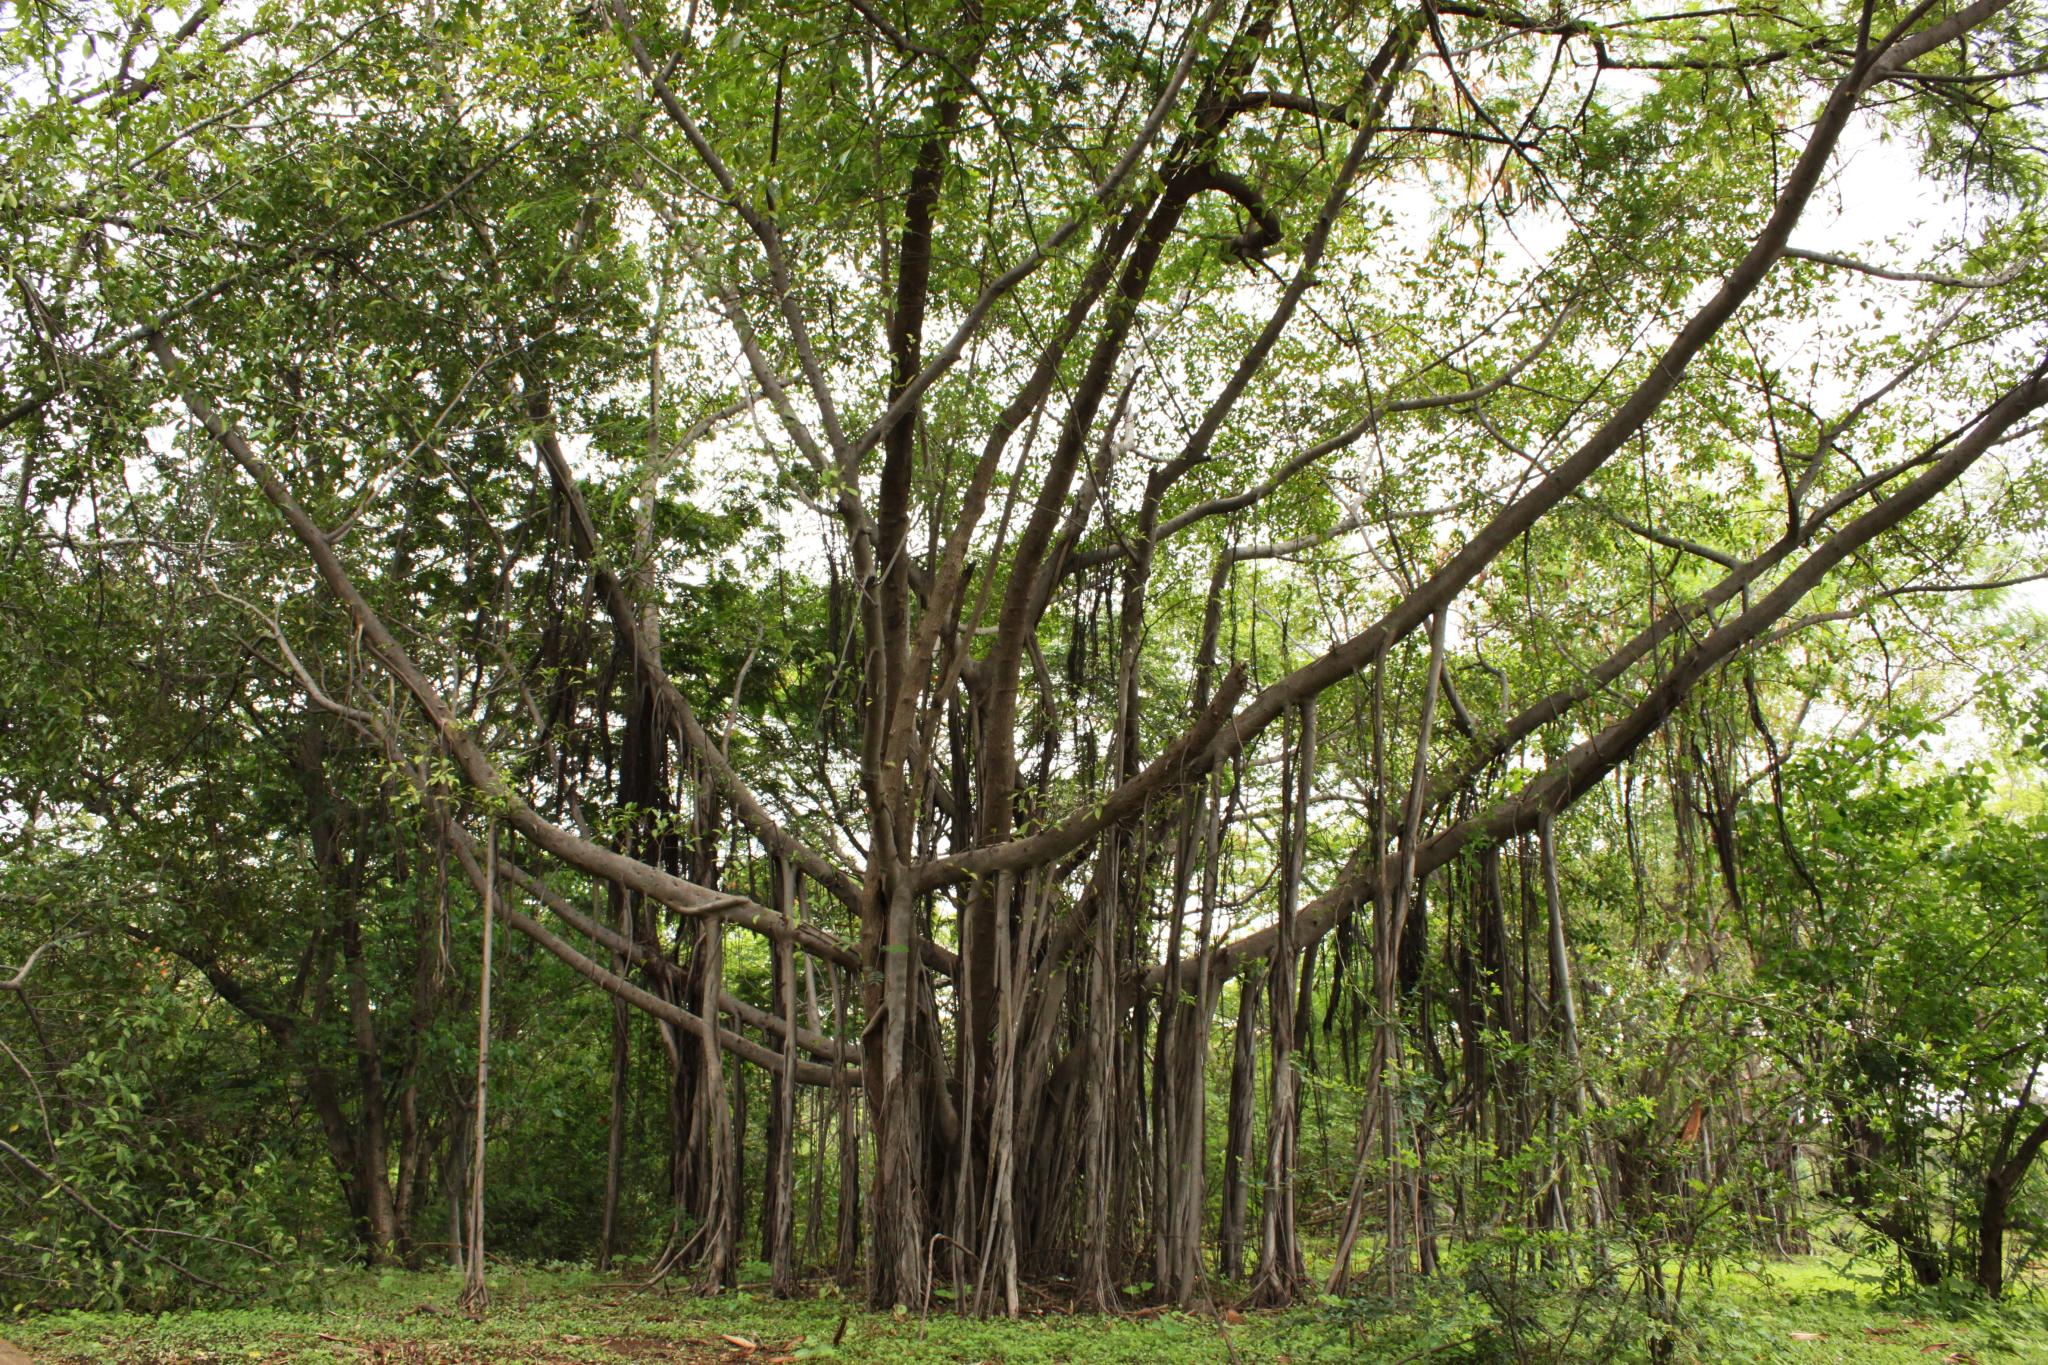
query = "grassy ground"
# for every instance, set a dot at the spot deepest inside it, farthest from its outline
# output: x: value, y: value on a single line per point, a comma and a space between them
x: 1802, y: 1312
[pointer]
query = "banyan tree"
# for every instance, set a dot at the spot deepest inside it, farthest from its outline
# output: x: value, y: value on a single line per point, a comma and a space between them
x: 1109, y: 538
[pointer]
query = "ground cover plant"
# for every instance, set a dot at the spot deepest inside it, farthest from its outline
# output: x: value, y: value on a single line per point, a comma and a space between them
x: 1802, y: 1311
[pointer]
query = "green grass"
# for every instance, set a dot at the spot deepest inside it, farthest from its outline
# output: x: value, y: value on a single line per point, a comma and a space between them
x: 1807, y: 1311
x: 1799, y: 1312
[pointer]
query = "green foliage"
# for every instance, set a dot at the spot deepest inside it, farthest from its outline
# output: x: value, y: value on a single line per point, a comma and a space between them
x: 1902, y: 915
x: 157, y: 1179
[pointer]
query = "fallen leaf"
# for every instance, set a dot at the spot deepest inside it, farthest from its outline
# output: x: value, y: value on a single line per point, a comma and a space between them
x: 1809, y: 1336
x: 741, y: 1342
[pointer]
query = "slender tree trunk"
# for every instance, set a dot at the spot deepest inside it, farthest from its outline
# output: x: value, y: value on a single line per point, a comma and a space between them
x: 1276, y: 1279
x: 455, y: 1180
x: 1567, y: 1012
x: 476, y: 1296
x: 999, y: 1247
x: 719, y: 1254
x: 849, y: 1236
x: 778, y: 1220
x: 1098, y: 1286
x: 1237, y: 1141
x: 742, y: 1114
x: 1280, y: 1271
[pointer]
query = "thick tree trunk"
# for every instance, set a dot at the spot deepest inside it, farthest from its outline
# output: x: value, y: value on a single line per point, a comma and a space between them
x: 1181, y: 1077
x: 372, y: 1149
x: 1993, y: 1210
x: 2009, y: 1168
x: 415, y: 1133
x: 455, y: 1180
x: 372, y: 1199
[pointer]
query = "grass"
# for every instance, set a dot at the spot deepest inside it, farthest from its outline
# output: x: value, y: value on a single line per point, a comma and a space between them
x: 1808, y: 1311
x: 1802, y: 1311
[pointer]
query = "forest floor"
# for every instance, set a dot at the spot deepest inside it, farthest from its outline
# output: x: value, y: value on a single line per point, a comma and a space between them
x: 1800, y: 1311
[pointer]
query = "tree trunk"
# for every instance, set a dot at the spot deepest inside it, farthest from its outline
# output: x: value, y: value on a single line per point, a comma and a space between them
x: 2008, y: 1170
x: 1278, y: 1276
x: 1237, y: 1141
x: 718, y: 1253
x: 778, y: 1199
x: 848, y: 1239
x: 476, y: 1296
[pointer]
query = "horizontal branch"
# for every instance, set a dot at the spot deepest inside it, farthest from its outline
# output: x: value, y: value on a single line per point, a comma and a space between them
x: 1043, y: 846
x: 808, y: 1073
x: 1907, y: 276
